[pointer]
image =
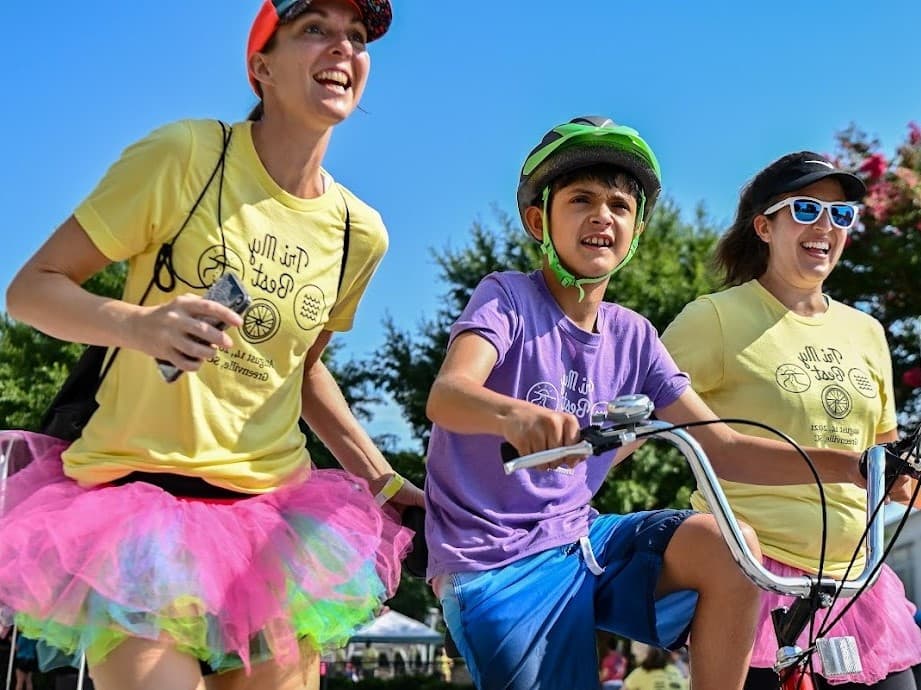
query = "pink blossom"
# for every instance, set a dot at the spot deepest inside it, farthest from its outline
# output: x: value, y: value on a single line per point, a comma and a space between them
x: 874, y: 166
x: 878, y: 199
x: 914, y: 133
x: 912, y: 377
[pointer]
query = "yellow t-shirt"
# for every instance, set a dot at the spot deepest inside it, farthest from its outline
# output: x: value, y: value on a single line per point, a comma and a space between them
x: 825, y: 380
x: 668, y: 678
x: 233, y: 423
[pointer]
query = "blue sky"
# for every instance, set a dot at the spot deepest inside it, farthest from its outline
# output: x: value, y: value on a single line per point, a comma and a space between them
x: 458, y: 94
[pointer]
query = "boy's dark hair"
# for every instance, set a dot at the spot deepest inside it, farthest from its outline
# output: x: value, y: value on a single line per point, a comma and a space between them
x: 602, y: 174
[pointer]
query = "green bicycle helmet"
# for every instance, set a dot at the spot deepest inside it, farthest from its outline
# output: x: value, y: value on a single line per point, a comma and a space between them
x: 580, y: 143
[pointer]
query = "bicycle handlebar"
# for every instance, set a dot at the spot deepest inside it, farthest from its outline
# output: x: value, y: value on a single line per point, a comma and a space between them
x: 596, y: 440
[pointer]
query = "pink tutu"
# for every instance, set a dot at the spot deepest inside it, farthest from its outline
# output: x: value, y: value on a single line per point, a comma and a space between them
x: 230, y: 583
x: 881, y: 621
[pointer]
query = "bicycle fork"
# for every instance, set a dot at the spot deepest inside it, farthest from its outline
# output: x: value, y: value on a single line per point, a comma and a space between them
x: 839, y: 655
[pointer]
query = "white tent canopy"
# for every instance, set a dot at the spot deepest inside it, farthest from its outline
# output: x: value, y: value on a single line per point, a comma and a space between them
x: 395, y: 627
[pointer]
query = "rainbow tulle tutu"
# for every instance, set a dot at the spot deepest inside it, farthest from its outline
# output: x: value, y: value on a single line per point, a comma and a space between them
x: 230, y: 583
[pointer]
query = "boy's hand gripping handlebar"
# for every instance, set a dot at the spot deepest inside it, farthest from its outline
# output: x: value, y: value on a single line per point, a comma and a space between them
x: 621, y: 415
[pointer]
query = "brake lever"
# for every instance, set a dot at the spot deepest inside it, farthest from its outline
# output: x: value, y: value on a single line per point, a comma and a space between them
x: 611, y: 428
x: 511, y: 460
x: 595, y: 441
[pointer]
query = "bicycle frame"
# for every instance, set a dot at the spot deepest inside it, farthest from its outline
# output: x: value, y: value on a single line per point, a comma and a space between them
x: 812, y: 593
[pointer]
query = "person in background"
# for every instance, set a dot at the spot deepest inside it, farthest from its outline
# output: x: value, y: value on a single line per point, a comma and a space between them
x: 679, y: 659
x: 399, y: 664
x: 368, y: 661
x: 444, y: 664
x: 613, y: 667
x: 383, y: 666
x: 25, y: 662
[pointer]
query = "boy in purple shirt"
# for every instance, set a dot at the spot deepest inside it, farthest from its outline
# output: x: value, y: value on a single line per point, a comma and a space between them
x: 524, y: 568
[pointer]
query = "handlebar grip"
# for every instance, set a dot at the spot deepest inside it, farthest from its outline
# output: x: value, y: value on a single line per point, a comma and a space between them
x: 896, y: 466
x: 508, y: 451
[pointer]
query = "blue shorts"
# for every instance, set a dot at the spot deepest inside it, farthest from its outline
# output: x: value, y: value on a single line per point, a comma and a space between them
x: 531, y: 624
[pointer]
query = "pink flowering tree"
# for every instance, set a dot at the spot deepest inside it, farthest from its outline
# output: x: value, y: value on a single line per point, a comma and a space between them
x: 880, y: 271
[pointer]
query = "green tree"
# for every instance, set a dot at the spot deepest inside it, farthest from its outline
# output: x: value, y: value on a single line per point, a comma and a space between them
x: 879, y: 269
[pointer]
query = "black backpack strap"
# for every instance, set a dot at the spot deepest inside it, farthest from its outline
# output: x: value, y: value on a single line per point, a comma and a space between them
x: 164, y: 258
x: 345, y: 241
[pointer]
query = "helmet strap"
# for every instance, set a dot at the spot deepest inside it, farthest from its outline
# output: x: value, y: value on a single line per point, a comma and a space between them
x: 566, y: 278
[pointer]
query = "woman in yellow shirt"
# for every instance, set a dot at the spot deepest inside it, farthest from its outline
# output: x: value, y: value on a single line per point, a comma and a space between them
x: 185, y: 532
x: 774, y: 348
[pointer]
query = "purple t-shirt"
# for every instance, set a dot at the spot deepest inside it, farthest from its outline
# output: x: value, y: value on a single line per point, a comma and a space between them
x: 477, y: 517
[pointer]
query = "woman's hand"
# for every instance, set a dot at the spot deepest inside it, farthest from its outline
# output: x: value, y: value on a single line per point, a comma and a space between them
x: 902, y: 490
x: 181, y: 332
x: 409, y: 495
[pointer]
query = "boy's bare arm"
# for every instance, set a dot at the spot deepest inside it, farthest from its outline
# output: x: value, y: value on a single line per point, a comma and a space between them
x: 460, y: 402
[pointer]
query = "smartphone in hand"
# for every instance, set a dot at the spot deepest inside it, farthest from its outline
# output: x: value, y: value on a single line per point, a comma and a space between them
x: 227, y: 290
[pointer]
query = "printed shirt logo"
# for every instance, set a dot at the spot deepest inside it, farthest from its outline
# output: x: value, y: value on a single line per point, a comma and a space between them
x: 212, y: 263
x: 544, y: 394
x: 792, y: 378
x: 572, y: 396
x: 278, y: 270
x: 309, y: 306
x: 837, y: 386
x: 274, y: 274
x: 260, y: 322
x: 862, y: 382
x: 836, y: 401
